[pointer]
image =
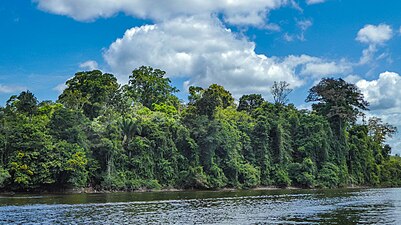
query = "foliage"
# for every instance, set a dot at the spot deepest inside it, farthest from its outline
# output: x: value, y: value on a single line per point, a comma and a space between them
x: 206, y: 101
x: 149, y: 86
x: 89, y: 91
x: 4, y: 175
x: 340, y: 102
x: 249, y: 103
x: 328, y: 176
x: 139, y: 136
x: 281, y: 177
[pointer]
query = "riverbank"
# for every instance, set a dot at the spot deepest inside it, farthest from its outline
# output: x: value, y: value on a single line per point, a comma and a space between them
x: 143, y: 190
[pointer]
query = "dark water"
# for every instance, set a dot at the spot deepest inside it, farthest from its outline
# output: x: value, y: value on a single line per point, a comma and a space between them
x: 364, y: 206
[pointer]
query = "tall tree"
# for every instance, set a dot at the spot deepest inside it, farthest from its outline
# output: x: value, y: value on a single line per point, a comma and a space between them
x: 250, y: 102
x: 90, y: 91
x: 280, y: 91
x: 380, y: 130
x: 195, y: 93
x: 25, y: 102
x: 150, y: 86
x: 339, y: 101
x: 213, y: 97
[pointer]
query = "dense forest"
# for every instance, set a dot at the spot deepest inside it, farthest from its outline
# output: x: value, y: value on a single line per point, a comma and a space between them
x: 108, y: 136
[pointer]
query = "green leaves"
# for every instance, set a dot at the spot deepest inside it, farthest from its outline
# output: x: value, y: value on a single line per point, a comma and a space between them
x: 140, y: 136
x: 337, y: 98
x: 4, y: 175
x: 89, y: 91
x: 149, y: 86
x: 206, y: 101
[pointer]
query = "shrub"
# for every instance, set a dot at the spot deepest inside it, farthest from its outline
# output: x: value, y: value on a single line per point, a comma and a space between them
x: 328, y: 176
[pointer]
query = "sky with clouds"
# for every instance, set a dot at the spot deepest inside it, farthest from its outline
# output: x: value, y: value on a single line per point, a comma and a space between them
x: 244, y: 45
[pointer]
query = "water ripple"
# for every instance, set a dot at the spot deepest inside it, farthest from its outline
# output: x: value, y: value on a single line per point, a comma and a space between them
x: 366, y: 206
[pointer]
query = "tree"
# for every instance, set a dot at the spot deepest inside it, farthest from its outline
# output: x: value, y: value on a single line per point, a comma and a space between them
x: 211, y: 98
x: 250, y: 102
x: 90, y: 91
x: 280, y: 91
x: 195, y: 93
x: 25, y: 102
x: 379, y: 130
x: 96, y: 136
x: 328, y: 176
x: 339, y: 101
x: 149, y: 86
x: 129, y: 128
x: 68, y: 125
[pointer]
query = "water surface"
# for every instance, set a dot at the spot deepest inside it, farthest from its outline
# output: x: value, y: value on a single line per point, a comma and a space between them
x: 340, y: 206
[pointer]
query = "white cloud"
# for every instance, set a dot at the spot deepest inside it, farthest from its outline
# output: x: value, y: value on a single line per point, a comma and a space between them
x: 317, y: 68
x: 201, y: 50
x: 367, y: 54
x: 311, y: 2
x: 304, y: 24
x: 353, y: 78
x: 288, y: 37
x: 371, y: 34
x: 239, y: 12
x: 7, y: 89
x: 324, y: 69
x: 89, y: 65
x: 384, y: 92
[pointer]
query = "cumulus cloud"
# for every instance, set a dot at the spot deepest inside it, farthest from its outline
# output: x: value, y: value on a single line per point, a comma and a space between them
x: 239, y: 12
x: 7, y: 89
x: 202, y: 50
x: 371, y: 34
x: 89, y: 65
x: 384, y: 92
x: 353, y: 78
x: 311, y: 2
x: 304, y: 24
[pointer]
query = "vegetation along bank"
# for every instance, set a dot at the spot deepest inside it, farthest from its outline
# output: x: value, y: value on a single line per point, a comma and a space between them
x: 107, y: 136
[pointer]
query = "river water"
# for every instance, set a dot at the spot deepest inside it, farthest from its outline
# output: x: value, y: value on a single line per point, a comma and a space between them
x: 339, y: 206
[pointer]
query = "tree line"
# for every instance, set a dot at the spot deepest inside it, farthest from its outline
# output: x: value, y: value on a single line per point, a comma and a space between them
x: 139, y: 135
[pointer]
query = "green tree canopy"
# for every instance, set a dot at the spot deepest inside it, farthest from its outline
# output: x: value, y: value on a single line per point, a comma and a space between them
x: 95, y: 136
x: 337, y: 99
x: 211, y: 98
x: 90, y: 91
x: 150, y: 86
x: 250, y: 102
x: 25, y: 102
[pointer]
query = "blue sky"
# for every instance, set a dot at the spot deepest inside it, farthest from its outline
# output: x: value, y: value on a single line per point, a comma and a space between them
x: 244, y: 45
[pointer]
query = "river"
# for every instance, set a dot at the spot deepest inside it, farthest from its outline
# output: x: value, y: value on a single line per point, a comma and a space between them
x: 339, y: 206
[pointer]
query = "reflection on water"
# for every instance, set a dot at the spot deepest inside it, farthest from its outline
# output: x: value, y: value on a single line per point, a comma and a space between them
x: 365, y: 206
